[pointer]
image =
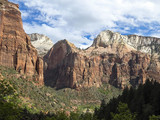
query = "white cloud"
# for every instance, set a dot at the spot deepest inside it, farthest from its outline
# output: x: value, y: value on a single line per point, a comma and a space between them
x: 57, y: 34
x: 72, y: 19
x: 25, y: 14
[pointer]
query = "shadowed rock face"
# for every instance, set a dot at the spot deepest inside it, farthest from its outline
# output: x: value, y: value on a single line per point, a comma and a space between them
x: 16, y: 50
x: 115, y: 59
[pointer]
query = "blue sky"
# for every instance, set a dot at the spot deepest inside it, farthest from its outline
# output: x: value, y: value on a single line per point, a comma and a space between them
x: 80, y: 21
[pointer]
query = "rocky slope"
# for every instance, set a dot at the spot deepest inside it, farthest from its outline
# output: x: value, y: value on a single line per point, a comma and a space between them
x: 41, y: 42
x: 16, y: 50
x: 113, y: 58
x: 149, y: 45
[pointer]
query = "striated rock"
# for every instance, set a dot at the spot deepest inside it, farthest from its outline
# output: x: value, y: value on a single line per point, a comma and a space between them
x: 55, y: 57
x: 150, y: 45
x: 113, y: 58
x: 16, y: 50
x: 41, y: 42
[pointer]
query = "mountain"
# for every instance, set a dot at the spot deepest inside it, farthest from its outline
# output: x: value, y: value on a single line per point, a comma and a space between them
x: 149, y: 45
x: 16, y: 50
x: 87, y: 76
x: 41, y: 42
x: 113, y: 58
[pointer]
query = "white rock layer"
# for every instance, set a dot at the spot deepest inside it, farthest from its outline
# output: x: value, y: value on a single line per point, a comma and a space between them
x: 150, y: 45
x: 41, y: 42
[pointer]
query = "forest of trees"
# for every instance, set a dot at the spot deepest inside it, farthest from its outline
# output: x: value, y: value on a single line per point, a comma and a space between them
x: 142, y: 103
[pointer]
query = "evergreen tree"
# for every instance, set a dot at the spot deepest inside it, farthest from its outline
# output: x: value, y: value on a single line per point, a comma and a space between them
x: 153, y: 117
x: 145, y: 101
x: 123, y: 113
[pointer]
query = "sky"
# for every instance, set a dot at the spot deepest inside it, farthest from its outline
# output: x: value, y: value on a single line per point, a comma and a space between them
x: 80, y: 21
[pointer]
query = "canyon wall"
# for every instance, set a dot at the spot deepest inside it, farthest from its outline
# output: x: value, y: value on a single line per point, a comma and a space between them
x: 113, y: 58
x: 16, y: 50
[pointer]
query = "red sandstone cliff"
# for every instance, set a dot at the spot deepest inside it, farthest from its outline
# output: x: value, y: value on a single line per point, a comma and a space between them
x: 109, y: 60
x: 15, y: 47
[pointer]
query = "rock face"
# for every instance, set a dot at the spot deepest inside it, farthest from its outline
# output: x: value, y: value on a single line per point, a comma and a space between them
x: 148, y: 45
x: 41, y: 42
x: 16, y: 50
x: 113, y: 58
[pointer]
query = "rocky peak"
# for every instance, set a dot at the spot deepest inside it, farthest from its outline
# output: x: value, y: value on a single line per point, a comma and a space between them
x: 113, y: 58
x: 36, y: 36
x: 106, y: 38
x: 41, y: 42
x: 6, y: 5
x: 65, y: 45
x: 69, y: 46
x: 143, y: 44
x: 58, y: 52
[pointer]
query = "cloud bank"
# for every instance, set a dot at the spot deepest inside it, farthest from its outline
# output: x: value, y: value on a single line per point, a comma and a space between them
x: 79, y: 21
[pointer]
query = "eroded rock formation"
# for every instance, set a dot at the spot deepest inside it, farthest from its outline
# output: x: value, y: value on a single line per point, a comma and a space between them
x: 113, y: 58
x: 16, y: 50
x: 41, y: 42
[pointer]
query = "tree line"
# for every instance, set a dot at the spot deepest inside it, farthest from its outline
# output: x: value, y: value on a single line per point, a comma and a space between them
x: 142, y: 103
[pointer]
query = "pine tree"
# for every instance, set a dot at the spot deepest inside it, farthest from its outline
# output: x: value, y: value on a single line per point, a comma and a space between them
x: 123, y: 113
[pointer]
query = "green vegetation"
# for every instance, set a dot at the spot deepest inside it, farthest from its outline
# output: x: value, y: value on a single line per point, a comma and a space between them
x: 8, y: 103
x: 123, y: 113
x: 34, y: 99
x: 21, y: 99
x: 144, y: 102
x: 153, y: 117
